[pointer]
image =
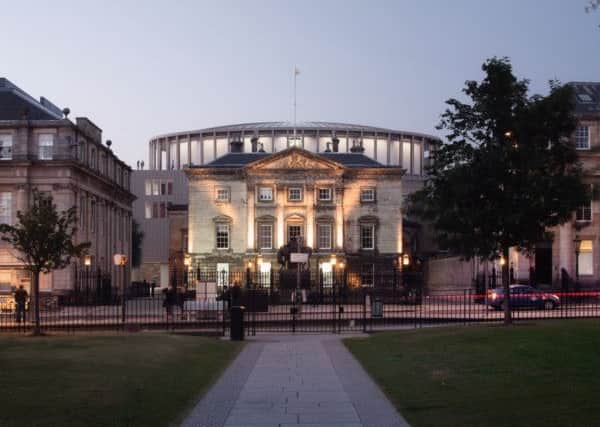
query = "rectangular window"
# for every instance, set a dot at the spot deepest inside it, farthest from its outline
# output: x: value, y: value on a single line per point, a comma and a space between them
x: 294, y: 232
x: 148, y: 185
x: 582, y: 138
x: 46, y: 142
x: 367, y: 273
x: 584, y: 213
x: 406, y: 157
x: 163, y: 188
x: 324, y: 236
x: 222, y: 194
x: 155, y: 210
x: 265, y: 236
x: 6, y: 147
x: 327, y: 274
x: 265, y: 194
x: 93, y: 158
x: 416, y: 159
x: 169, y: 188
x: 367, y: 195
x: 155, y: 187
x: 222, y: 236
x: 324, y: 194
x: 586, y: 259
x: 6, y: 208
x: 367, y: 236
x: 295, y: 142
x: 294, y: 194
x: 148, y: 210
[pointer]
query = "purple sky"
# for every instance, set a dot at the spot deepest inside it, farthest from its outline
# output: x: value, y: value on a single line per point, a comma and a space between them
x: 180, y: 65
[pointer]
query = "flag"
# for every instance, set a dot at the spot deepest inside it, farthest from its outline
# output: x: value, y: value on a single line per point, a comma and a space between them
x: 296, y: 71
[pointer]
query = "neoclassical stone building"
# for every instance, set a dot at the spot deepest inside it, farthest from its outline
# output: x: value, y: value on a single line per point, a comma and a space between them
x: 164, y: 182
x: 41, y: 148
x: 244, y: 206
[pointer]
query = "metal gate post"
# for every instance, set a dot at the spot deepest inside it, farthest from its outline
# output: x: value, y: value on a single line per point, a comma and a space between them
x: 364, y: 298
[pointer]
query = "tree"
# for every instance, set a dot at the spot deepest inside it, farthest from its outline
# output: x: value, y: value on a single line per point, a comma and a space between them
x: 137, y: 236
x: 43, y: 238
x: 508, y: 171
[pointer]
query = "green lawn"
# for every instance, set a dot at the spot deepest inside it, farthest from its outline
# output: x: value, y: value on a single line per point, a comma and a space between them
x: 142, y: 379
x: 543, y: 374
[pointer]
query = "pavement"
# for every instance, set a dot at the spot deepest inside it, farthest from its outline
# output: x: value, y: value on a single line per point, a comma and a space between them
x: 295, y: 380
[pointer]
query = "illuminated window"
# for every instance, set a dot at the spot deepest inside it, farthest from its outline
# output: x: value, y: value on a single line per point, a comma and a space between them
x: 586, y: 259
x: 222, y: 236
x: 324, y: 236
x: 324, y: 194
x: 294, y: 232
x: 294, y: 194
x: 223, y: 195
x: 367, y: 273
x: 367, y: 236
x: 295, y: 142
x: 265, y: 236
x: 582, y: 138
x: 265, y: 194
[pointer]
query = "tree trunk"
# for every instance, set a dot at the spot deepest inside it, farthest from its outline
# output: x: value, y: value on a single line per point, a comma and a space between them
x: 37, y: 330
x: 506, y: 288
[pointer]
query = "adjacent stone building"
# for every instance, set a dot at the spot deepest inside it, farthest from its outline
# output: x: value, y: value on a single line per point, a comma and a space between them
x: 41, y: 148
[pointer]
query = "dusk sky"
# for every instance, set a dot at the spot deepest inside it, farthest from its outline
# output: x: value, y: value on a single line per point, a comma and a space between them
x: 139, y: 69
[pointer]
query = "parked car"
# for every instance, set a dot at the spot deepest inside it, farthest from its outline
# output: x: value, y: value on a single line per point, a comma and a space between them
x: 523, y: 296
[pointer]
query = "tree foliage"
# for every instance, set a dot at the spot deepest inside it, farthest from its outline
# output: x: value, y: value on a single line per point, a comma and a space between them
x: 508, y: 172
x: 43, y: 240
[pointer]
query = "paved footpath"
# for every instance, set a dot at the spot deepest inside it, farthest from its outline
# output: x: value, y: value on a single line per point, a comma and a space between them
x: 299, y: 380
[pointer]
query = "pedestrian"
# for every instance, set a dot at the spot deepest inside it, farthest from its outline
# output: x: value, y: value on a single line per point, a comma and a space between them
x: 169, y: 301
x: 20, y: 301
x: 152, y: 286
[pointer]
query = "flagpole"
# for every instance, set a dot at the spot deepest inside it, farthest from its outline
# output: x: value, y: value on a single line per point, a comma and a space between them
x: 295, y: 74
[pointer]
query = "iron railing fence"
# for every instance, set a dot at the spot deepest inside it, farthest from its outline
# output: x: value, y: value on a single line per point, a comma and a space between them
x: 331, y: 304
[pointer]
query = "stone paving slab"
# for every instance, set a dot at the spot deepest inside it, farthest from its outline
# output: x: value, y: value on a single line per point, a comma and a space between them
x: 298, y: 380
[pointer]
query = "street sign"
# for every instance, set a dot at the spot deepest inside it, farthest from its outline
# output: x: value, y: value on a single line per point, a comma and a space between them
x: 298, y: 257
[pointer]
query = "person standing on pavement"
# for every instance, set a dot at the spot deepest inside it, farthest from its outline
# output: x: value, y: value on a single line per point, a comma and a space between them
x: 20, y: 302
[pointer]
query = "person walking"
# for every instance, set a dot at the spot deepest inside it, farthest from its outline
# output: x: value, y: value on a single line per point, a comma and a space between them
x: 20, y: 302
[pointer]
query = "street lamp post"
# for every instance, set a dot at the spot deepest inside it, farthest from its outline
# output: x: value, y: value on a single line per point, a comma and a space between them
x: 577, y: 243
x: 121, y: 260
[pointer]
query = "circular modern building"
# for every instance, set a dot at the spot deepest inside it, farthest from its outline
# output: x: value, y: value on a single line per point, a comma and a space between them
x: 176, y: 150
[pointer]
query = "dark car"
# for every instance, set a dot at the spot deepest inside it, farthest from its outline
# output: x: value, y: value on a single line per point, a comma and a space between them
x: 523, y: 296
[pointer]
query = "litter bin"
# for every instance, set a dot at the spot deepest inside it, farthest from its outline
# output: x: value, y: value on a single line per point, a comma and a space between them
x: 237, y: 323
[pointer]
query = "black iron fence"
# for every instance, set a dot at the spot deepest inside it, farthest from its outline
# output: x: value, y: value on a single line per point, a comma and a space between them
x: 331, y: 303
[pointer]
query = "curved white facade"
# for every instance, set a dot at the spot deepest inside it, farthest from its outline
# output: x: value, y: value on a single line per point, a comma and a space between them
x: 389, y: 147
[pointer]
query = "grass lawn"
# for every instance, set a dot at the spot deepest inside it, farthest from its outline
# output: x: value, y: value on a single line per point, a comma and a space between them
x: 543, y: 374
x: 142, y: 379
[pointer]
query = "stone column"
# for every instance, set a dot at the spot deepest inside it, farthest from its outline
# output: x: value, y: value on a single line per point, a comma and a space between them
x: 250, y: 196
x: 189, y: 150
x: 279, y: 215
x: 339, y: 218
x: 310, y: 215
x: 178, y: 153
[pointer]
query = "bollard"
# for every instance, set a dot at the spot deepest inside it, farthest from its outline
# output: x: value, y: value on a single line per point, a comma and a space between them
x: 237, y: 323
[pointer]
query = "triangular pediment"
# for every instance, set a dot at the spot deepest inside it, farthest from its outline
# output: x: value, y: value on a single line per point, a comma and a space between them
x: 295, y: 159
